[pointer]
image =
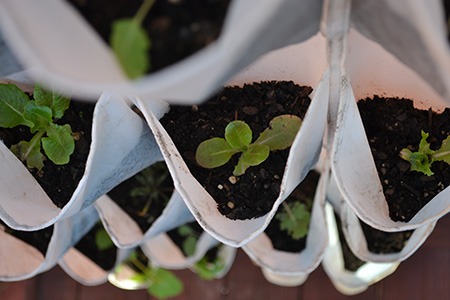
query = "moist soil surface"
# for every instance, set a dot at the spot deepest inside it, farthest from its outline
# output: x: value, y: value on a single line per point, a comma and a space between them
x: 106, y: 258
x: 304, y: 192
x: 179, y: 239
x: 256, y: 104
x: 381, y: 242
x: 38, y: 239
x: 392, y: 124
x: 144, y: 196
x: 351, y: 262
x: 59, y: 182
x: 177, y: 29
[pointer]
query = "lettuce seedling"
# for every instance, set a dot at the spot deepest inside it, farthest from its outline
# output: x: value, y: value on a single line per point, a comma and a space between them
x: 39, y: 114
x: 422, y: 160
x: 131, y: 43
x: 161, y: 283
x: 294, y: 219
x: 190, y: 239
x: 279, y: 135
x: 102, y: 240
x: 207, y: 269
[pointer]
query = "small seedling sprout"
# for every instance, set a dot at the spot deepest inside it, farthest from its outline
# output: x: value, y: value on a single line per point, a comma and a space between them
x: 422, y: 160
x: 131, y: 43
x: 294, y: 219
x: 102, y: 240
x: 39, y: 114
x: 208, y: 269
x: 216, y: 152
x: 190, y: 239
x: 161, y: 283
x: 151, y: 186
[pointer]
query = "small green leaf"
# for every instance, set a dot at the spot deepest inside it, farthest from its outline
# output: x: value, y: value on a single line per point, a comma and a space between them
x: 57, y: 103
x: 140, y: 278
x: 59, y: 143
x: 208, y: 270
x: 29, y: 152
x: 281, y: 132
x: 189, y: 245
x: 41, y: 116
x: 165, y: 284
x: 102, y: 240
x: 424, y: 146
x: 130, y: 44
x: 42, y: 97
x: 214, y: 153
x: 295, y: 221
x: 12, y: 106
x: 185, y: 230
x: 419, y: 161
x: 254, y: 155
x: 443, y: 154
x: 238, y: 134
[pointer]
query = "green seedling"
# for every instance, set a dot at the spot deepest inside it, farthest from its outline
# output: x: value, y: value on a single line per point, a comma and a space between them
x: 39, y: 114
x: 160, y: 283
x: 190, y: 239
x: 152, y: 186
x: 294, y: 219
x: 279, y: 135
x: 207, y: 269
x: 131, y: 43
x: 102, y: 240
x: 422, y: 160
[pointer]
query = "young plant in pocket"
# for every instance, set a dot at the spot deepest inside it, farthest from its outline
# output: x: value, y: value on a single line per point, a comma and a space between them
x: 39, y: 114
x: 279, y: 135
x: 210, y: 265
x: 294, y: 219
x: 422, y: 159
x: 152, y: 186
x: 190, y: 237
x: 102, y: 240
x: 160, y: 283
x: 131, y: 43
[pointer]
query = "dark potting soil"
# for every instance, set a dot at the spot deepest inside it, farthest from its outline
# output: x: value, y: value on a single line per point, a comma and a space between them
x: 60, y: 181
x: 393, y: 124
x: 351, y: 262
x: 38, y: 239
x: 103, y: 258
x: 304, y: 192
x: 257, y: 104
x: 144, y: 196
x: 177, y: 29
x: 179, y: 239
x: 381, y: 242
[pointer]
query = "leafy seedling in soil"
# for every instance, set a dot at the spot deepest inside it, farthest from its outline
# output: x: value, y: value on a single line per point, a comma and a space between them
x: 279, y: 135
x: 190, y: 239
x: 131, y: 43
x: 422, y: 160
x: 102, y: 240
x: 151, y: 186
x: 210, y: 265
x: 294, y: 219
x: 161, y: 283
x: 39, y: 114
